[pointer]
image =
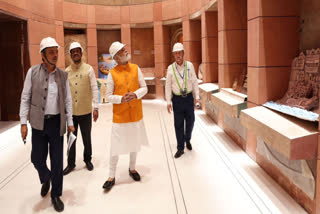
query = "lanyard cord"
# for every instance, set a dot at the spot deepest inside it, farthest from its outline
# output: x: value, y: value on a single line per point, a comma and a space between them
x: 185, y: 76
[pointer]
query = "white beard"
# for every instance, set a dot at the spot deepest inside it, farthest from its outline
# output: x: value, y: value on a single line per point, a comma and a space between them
x: 124, y: 59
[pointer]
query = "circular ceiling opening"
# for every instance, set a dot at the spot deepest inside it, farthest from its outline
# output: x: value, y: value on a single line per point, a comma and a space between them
x: 113, y: 2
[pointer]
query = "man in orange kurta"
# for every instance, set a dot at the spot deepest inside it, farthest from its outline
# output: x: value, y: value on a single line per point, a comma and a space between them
x: 125, y: 88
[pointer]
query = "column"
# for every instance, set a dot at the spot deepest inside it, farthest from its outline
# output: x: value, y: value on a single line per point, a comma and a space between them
x: 209, y: 46
x: 232, y: 27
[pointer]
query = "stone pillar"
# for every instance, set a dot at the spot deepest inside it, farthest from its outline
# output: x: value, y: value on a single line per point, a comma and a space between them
x: 161, y: 48
x: 126, y: 36
x: 273, y: 42
x: 162, y: 54
x: 92, y: 47
x: 60, y: 40
x: 209, y: 46
x: 192, y: 42
x: 317, y: 196
x: 58, y: 9
x: 232, y: 27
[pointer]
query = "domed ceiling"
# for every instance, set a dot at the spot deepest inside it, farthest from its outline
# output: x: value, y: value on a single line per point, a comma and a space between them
x: 113, y: 2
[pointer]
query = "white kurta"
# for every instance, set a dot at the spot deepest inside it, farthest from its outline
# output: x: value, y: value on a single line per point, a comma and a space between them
x: 127, y: 137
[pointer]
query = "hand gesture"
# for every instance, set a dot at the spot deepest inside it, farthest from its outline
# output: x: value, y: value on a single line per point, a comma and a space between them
x: 128, y: 97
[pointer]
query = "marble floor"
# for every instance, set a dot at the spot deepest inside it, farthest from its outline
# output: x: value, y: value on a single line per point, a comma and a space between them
x: 215, y: 177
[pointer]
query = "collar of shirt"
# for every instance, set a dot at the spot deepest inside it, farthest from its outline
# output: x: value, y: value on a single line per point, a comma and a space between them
x: 75, y: 66
x: 44, y: 67
x: 180, y: 66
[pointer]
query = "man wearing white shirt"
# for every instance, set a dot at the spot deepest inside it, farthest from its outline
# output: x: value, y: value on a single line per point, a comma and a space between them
x: 47, y: 98
x: 84, y: 90
x: 125, y: 88
x: 181, y: 88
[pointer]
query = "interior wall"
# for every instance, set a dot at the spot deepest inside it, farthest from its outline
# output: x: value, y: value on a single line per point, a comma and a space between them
x: 142, y: 47
x: 75, y: 36
x: 14, y: 63
x: 310, y: 24
x: 105, y: 38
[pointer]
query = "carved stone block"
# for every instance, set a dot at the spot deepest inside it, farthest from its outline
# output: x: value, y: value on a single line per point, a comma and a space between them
x: 312, y: 61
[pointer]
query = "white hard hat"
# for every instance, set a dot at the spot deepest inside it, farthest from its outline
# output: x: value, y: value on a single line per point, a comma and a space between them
x: 47, y: 43
x: 115, y: 47
x: 74, y: 45
x: 178, y: 47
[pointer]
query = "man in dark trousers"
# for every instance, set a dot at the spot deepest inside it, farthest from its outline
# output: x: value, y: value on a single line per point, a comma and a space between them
x: 181, y: 87
x: 84, y: 90
x: 47, y: 98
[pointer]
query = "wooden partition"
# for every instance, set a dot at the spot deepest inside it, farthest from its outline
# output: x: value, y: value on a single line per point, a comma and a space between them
x: 14, y: 64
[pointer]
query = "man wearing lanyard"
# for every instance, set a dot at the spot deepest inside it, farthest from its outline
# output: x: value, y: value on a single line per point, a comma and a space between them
x: 47, y: 98
x: 181, y: 87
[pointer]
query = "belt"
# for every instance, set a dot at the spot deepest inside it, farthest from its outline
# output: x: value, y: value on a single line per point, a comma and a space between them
x: 179, y: 95
x: 51, y: 116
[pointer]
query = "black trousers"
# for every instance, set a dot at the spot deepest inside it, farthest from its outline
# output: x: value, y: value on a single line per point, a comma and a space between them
x: 183, y: 110
x: 85, y: 123
x: 50, y: 136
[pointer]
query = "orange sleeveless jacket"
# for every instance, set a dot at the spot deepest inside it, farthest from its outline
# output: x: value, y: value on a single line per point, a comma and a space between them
x: 125, y: 80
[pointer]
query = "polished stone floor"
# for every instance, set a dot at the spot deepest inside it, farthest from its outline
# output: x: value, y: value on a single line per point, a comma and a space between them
x: 215, y: 177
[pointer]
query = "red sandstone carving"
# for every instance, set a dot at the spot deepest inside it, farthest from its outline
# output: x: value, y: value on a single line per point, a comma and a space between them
x: 303, y: 90
x: 240, y: 83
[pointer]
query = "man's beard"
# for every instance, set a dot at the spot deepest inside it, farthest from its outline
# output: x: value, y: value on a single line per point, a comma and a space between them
x: 124, y: 59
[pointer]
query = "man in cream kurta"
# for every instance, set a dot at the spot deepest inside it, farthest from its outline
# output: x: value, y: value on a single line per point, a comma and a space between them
x: 125, y: 88
x: 84, y: 90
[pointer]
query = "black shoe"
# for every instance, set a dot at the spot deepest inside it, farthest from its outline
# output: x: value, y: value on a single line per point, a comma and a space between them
x: 109, y: 184
x: 45, y: 188
x: 188, y: 145
x: 134, y: 175
x: 68, y: 169
x: 89, y: 165
x: 179, y: 153
x: 57, y: 204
